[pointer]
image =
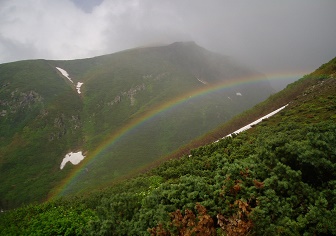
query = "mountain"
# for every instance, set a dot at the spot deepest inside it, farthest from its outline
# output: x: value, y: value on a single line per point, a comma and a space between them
x: 118, y: 112
x: 276, y: 178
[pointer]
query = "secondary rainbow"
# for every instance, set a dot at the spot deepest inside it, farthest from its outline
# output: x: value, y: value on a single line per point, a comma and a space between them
x: 145, y: 116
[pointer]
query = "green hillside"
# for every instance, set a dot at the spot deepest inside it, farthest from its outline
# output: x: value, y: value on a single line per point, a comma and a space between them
x: 277, y: 178
x: 37, y: 127
x: 115, y: 119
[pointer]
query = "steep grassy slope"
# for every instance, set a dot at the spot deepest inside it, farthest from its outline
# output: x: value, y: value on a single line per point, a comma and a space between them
x: 292, y: 92
x: 137, y: 81
x: 37, y: 127
x: 42, y: 117
x: 278, y: 178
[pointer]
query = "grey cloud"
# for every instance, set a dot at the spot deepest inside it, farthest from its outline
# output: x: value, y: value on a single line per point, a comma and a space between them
x: 271, y: 36
x: 10, y: 49
x: 87, y: 5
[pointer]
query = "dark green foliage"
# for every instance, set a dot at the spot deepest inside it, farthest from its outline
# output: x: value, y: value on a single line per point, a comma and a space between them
x: 56, y: 218
x: 278, y: 178
x: 42, y: 117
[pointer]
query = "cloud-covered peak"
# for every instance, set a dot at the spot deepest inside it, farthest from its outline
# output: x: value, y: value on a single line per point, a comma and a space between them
x: 270, y: 36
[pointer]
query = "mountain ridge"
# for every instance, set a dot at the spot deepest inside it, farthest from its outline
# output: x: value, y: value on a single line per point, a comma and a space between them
x: 52, y: 119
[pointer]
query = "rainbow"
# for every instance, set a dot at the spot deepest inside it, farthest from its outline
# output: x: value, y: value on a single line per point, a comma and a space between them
x: 148, y: 115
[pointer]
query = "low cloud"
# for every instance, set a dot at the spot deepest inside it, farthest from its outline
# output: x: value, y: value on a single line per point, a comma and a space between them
x: 271, y: 36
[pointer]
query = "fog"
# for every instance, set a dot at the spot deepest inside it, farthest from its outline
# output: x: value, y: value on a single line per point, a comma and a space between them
x: 283, y: 39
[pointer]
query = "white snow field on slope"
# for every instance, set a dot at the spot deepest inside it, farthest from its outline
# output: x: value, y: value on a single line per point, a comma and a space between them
x: 246, y: 127
x: 74, y: 157
x: 66, y: 74
x: 79, y: 84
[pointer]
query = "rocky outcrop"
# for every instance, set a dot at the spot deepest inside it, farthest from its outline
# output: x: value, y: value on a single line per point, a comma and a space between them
x: 155, y: 77
x: 130, y: 94
x: 116, y: 100
x: 18, y: 100
x: 64, y: 124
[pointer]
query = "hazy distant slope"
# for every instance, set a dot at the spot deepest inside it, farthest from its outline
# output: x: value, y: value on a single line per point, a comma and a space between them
x: 43, y: 116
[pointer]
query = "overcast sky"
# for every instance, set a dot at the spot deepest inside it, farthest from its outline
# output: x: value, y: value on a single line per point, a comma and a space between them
x: 270, y: 36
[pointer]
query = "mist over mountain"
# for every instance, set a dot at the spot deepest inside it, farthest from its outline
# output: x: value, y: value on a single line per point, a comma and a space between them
x: 114, y: 114
x: 260, y: 33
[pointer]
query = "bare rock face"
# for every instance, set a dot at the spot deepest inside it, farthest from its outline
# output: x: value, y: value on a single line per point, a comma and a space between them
x: 129, y: 94
x: 18, y: 100
x: 63, y: 124
x: 133, y: 91
x: 116, y: 100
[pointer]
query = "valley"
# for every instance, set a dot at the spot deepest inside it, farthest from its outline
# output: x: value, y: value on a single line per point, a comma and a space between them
x: 123, y: 111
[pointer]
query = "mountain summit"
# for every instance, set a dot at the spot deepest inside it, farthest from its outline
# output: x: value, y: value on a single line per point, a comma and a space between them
x: 94, y: 120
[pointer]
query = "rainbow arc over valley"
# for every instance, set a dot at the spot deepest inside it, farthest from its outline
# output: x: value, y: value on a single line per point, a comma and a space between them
x: 93, y: 155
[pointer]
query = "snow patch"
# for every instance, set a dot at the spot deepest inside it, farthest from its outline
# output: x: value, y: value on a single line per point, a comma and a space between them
x: 246, y: 127
x: 73, y: 157
x: 239, y: 94
x: 79, y: 84
x: 202, y: 81
x: 64, y: 73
